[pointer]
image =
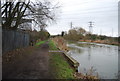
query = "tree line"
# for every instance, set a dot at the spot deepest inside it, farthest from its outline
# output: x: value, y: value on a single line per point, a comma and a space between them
x: 80, y: 34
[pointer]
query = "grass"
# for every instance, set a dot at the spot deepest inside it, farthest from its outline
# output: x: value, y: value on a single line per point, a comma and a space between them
x: 60, y: 69
x: 52, y: 45
x: 69, y: 42
x: 40, y: 42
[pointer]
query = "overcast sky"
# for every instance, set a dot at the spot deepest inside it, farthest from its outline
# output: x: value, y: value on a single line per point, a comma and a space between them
x: 104, y: 14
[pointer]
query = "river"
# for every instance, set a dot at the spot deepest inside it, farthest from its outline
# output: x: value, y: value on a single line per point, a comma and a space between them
x: 95, y: 59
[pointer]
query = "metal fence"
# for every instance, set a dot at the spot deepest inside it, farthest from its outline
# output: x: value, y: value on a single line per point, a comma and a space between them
x: 14, y: 39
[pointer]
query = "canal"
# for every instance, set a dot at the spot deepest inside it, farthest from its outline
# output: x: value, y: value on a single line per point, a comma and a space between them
x: 95, y: 59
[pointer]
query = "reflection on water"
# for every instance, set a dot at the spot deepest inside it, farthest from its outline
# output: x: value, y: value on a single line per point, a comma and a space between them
x: 75, y: 50
x: 101, y: 57
x: 89, y: 53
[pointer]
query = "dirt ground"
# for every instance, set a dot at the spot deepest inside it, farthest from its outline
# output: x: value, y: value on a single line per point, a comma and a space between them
x: 28, y: 63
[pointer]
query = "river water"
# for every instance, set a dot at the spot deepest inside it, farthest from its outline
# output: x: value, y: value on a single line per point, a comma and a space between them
x: 96, y: 59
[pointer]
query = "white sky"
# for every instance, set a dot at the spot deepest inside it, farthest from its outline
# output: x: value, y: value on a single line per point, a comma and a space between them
x: 104, y: 14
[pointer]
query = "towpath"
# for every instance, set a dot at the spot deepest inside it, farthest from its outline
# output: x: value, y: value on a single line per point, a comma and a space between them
x: 31, y: 66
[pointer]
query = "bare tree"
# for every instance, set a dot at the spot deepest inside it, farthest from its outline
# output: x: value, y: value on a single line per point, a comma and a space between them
x: 14, y: 13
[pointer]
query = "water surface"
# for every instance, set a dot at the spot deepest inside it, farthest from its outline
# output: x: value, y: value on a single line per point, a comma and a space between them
x: 102, y: 58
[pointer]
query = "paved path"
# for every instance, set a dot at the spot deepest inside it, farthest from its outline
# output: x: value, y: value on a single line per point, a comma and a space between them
x: 34, y: 66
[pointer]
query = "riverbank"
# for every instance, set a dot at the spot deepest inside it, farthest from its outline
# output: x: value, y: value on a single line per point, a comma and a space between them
x: 59, y: 67
x: 101, y: 42
x: 76, y: 75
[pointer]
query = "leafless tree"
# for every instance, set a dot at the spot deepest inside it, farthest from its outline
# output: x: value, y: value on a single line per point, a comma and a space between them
x: 15, y: 12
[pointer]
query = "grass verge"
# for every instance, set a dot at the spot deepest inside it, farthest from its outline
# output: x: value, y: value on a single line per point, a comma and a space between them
x: 59, y: 67
x: 40, y: 42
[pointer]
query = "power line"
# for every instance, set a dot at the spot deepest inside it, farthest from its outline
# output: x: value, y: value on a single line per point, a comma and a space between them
x: 101, y: 32
x: 91, y: 11
x: 71, y: 25
x: 83, y: 3
x: 108, y: 7
x: 79, y: 18
x: 112, y: 32
x: 90, y: 27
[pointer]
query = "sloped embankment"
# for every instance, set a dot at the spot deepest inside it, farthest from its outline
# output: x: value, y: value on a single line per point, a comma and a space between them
x: 59, y: 43
x: 59, y: 67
